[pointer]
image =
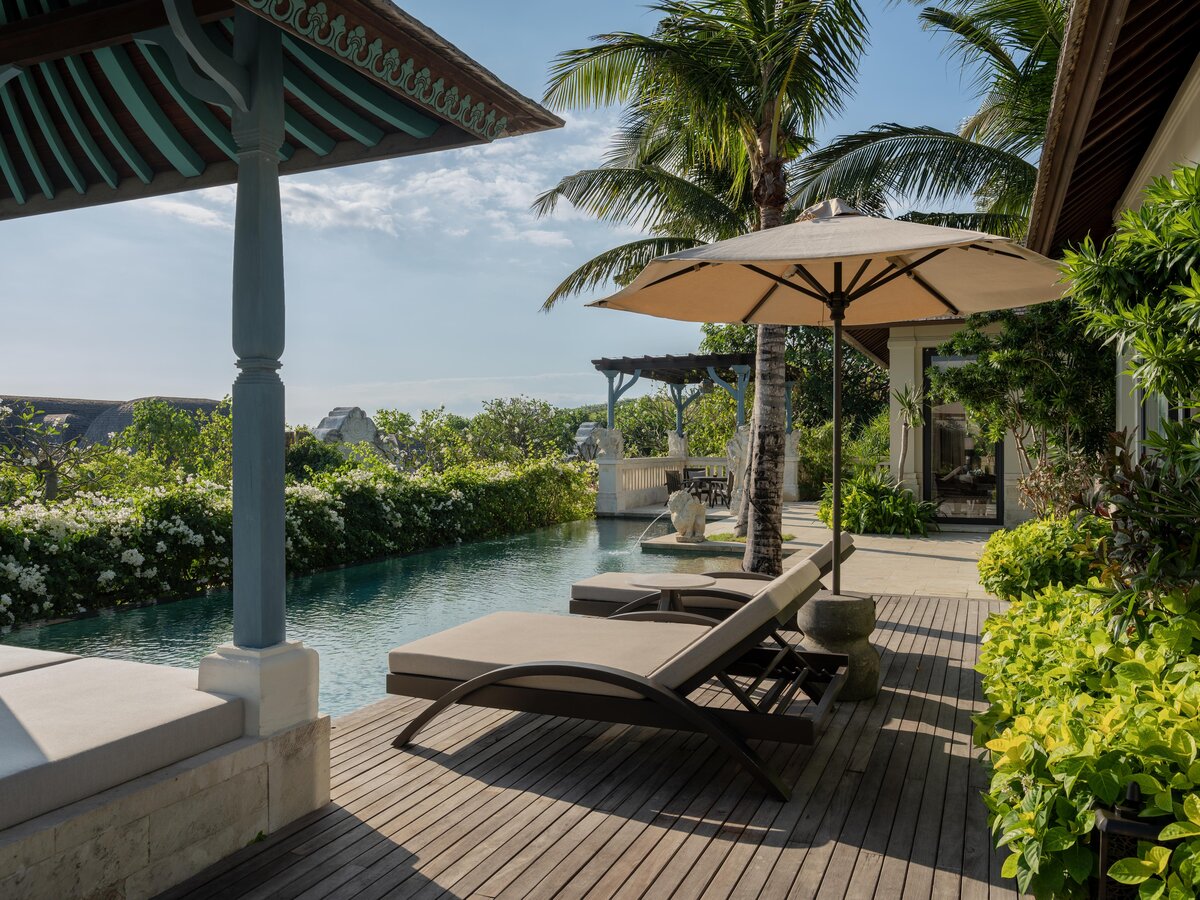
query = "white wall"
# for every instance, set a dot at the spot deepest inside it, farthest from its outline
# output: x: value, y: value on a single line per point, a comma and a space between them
x: 906, y: 347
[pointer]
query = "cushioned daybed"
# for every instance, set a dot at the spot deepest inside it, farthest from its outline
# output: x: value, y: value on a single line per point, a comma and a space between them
x: 71, y: 727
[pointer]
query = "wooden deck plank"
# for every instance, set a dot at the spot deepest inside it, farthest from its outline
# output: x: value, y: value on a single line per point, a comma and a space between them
x: 491, y: 804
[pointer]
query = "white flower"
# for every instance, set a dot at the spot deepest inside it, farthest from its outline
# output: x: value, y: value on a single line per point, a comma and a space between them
x: 106, y: 576
x: 132, y: 557
x: 160, y: 547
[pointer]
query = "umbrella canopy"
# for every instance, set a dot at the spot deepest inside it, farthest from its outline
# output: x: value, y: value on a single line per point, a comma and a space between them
x: 836, y: 266
x: 890, y: 272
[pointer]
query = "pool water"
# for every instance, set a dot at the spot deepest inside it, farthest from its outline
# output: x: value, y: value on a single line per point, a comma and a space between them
x: 353, y: 616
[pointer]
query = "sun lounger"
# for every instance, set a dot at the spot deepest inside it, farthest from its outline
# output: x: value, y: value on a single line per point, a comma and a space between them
x: 636, y: 669
x: 613, y: 593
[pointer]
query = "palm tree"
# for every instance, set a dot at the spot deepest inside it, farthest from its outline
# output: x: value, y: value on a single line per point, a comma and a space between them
x: 741, y: 85
x: 1012, y: 49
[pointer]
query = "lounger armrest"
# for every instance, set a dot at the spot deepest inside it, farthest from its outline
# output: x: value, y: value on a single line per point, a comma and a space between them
x: 650, y: 599
x: 721, y: 593
x: 664, y: 615
x: 750, y: 576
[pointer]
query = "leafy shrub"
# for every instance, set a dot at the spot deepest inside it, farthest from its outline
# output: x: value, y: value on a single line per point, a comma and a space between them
x: 1075, y: 717
x: 814, y: 446
x: 308, y: 457
x: 873, y: 504
x: 93, y: 552
x: 1040, y: 553
x: 1056, y: 480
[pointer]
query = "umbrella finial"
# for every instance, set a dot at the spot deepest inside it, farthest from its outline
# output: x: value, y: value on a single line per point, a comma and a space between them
x: 828, y: 209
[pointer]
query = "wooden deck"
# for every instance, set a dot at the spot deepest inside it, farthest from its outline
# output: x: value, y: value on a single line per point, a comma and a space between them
x: 496, y: 804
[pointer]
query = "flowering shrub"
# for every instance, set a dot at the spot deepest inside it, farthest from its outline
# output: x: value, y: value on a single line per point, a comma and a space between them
x: 59, y: 559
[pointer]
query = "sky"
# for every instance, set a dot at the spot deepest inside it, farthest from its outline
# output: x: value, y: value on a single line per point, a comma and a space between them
x: 411, y: 283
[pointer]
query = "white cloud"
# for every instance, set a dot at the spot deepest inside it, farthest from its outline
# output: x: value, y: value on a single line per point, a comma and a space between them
x: 487, y: 188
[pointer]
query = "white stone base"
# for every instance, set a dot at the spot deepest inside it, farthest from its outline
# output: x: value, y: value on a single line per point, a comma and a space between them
x: 138, y: 839
x: 278, y: 684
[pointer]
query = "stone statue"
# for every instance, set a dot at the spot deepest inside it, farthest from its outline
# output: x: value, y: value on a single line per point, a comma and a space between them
x: 677, y: 445
x: 737, y: 453
x: 611, y: 443
x: 688, y: 515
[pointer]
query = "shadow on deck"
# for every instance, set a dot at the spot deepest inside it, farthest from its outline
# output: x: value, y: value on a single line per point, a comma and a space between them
x: 494, y: 804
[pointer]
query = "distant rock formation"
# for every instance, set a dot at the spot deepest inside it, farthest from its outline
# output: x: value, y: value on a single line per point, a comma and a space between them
x: 92, y: 421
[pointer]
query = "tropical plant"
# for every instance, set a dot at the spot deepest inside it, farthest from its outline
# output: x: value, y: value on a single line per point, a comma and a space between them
x: 436, y: 440
x: 1140, y: 289
x: 910, y: 413
x: 307, y: 457
x: 1040, y: 553
x: 1031, y: 374
x: 1010, y: 49
x: 1076, y: 715
x: 872, y: 504
x: 1056, y: 481
x: 738, y: 87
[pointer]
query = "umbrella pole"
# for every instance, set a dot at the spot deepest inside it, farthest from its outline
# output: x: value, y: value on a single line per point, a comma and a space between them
x: 837, y: 312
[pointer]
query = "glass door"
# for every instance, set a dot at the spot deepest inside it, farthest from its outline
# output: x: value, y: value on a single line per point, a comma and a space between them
x: 961, y: 470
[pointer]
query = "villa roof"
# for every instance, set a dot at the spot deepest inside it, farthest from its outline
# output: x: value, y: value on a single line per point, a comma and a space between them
x: 690, y: 368
x: 93, y: 113
x: 1122, y: 64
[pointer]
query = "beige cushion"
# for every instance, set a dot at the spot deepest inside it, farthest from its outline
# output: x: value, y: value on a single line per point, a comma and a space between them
x: 778, y: 600
x: 22, y: 659
x: 71, y: 731
x: 610, y: 587
x: 508, y: 638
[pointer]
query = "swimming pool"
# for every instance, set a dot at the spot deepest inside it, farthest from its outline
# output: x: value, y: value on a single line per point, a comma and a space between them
x: 353, y: 616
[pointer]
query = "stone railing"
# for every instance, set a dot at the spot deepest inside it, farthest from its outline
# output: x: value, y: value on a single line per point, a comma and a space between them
x: 627, y: 484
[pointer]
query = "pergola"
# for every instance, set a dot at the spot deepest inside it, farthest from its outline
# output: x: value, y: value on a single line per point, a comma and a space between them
x: 107, y: 100
x: 732, y: 372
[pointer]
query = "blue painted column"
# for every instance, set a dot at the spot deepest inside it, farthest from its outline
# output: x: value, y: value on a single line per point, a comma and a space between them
x: 258, y: 338
x: 737, y: 391
x: 617, y: 387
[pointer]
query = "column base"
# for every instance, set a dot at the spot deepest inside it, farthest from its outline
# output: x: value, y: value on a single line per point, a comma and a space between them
x: 842, y: 623
x: 278, y: 684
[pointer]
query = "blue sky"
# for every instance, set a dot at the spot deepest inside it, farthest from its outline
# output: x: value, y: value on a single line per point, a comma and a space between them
x: 411, y: 283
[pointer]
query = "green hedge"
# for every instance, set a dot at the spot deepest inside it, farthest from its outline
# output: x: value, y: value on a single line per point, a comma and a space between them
x: 90, y: 552
x: 1076, y: 715
x: 873, y: 504
x: 1040, y: 553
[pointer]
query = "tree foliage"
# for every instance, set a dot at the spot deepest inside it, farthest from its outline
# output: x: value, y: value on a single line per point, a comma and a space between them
x: 1140, y: 289
x: 1031, y: 374
x: 1010, y: 52
x: 810, y: 351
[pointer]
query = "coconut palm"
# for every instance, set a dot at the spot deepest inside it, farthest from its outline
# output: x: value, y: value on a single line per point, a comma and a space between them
x: 1011, y: 47
x: 742, y: 85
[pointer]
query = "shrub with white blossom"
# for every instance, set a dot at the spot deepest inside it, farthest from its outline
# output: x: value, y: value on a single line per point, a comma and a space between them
x: 90, y: 551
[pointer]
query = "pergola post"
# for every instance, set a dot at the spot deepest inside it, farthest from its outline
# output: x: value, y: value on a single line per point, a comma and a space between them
x: 737, y: 390
x: 277, y: 678
x: 617, y: 387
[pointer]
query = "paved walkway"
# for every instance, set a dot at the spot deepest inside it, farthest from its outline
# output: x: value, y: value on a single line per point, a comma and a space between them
x: 940, y: 565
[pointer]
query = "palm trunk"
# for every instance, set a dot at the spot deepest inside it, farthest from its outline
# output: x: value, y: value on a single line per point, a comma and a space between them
x: 903, y: 455
x: 764, y: 548
x: 764, y: 545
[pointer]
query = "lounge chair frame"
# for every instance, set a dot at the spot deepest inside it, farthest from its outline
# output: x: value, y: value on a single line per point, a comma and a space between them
x: 787, y: 669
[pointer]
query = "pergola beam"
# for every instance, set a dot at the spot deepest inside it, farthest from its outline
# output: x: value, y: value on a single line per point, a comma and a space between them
x: 90, y: 26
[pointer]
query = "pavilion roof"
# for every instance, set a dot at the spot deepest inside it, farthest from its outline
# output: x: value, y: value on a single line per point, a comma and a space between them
x: 690, y: 368
x: 89, y: 114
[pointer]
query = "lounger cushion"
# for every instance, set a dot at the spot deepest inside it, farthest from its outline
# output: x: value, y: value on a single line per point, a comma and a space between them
x: 22, y: 659
x: 508, y: 638
x: 617, y: 588
x: 777, y: 601
x: 71, y: 731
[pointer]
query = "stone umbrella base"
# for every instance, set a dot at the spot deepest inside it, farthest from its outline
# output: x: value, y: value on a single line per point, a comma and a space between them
x: 842, y: 623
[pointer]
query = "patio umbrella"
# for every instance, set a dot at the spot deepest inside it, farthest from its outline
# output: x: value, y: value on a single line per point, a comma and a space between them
x: 838, y: 267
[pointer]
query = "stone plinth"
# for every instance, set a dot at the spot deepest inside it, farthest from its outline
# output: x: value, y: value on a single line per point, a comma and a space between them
x: 140, y: 838
x: 842, y: 623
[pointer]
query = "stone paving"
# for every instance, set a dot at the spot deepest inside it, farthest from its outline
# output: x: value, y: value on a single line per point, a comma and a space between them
x: 940, y: 565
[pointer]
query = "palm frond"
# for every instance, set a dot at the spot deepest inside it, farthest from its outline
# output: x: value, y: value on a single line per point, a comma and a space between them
x: 620, y: 265
x: 919, y: 163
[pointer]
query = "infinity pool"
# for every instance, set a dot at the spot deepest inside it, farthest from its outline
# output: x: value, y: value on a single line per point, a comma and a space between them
x: 353, y: 616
